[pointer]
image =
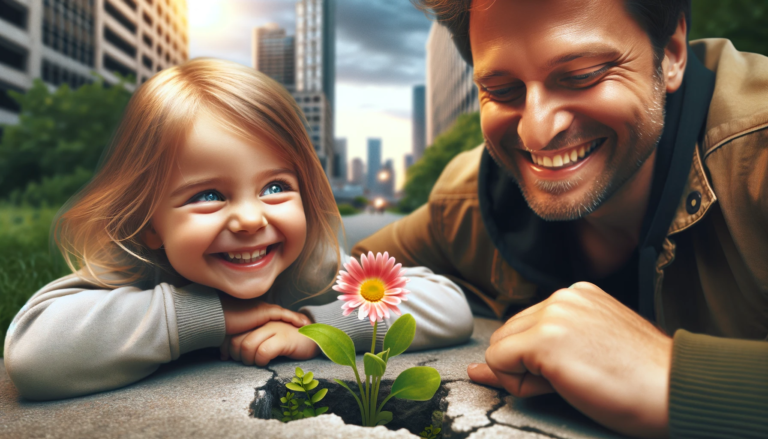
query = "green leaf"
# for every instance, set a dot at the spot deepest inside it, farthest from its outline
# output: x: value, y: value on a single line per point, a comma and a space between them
x: 308, y: 412
x: 383, y: 417
x: 287, y: 413
x: 308, y: 378
x: 374, y: 366
x: 319, y: 395
x: 400, y: 335
x: 295, y: 387
x: 299, y: 372
x: 312, y: 385
x: 334, y: 343
x: 384, y: 355
x: 416, y: 384
x: 283, y: 400
x: 321, y: 410
x: 308, y: 403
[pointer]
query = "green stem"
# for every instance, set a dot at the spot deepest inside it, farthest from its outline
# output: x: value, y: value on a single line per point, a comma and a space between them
x: 374, y: 398
x: 373, y: 342
x: 364, y: 412
x: 367, y: 399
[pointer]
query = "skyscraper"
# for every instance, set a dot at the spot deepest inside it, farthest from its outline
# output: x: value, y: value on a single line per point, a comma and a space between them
x: 340, y: 160
x: 374, y: 164
x: 316, y: 72
x: 63, y: 41
x: 450, y: 89
x: 418, y: 122
x: 274, y: 54
x: 358, y: 171
x: 386, y: 179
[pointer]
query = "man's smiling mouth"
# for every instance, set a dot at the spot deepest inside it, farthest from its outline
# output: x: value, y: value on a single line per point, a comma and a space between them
x: 247, y: 257
x: 567, y: 157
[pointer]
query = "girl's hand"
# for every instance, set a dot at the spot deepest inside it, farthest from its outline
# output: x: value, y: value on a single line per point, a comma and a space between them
x: 268, y: 342
x: 244, y: 315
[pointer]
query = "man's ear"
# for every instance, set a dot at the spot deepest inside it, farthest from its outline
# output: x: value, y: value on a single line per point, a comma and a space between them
x: 151, y: 238
x: 676, y: 57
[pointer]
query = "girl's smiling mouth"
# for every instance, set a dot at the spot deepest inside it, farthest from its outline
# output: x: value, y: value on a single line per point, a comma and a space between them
x: 248, y: 259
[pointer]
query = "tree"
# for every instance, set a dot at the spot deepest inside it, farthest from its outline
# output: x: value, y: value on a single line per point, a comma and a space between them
x: 741, y: 21
x: 464, y: 135
x: 56, y: 145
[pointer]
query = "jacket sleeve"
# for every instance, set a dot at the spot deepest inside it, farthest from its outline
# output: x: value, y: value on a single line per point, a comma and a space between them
x: 442, y: 315
x: 73, y: 338
x: 718, y: 387
x: 413, y: 240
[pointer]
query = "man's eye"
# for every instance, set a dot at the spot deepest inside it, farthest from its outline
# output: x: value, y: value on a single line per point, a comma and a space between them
x: 274, y: 188
x: 206, y: 196
x: 586, y: 78
x: 505, y: 93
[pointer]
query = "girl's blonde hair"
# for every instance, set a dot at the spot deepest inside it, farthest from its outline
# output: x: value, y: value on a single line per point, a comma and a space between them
x: 99, y: 230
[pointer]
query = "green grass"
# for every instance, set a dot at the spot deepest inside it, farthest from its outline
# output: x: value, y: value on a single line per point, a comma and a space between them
x: 26, y: 261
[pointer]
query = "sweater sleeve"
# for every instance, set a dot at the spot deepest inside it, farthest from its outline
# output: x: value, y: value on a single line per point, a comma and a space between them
x: 718, y: 387
x: 441, y: 311
x: 73, y: 338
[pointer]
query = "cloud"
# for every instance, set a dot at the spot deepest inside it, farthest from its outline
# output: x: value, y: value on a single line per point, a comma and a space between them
x: 380, y: 42
x: 377, y: 42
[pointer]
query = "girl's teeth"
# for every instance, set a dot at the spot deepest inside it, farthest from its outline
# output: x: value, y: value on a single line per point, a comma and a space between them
x: 246, y: 258
x: 560, y: 160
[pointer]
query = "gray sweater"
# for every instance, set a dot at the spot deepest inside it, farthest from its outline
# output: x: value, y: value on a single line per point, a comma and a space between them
x: 74, y: 338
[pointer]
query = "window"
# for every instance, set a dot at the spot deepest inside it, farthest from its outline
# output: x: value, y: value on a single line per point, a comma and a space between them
x: 6, y: 101
x: 68, y: 29
x: 13, y: 13
x: 117, y: 15
x: 147, y: 61
x: 116, y: 66
x: 119, y: 43
x: 13, y: 56
x: 147, y: 18
x: 131, y: 4
x: 147, y: 40
x: 56, y: 75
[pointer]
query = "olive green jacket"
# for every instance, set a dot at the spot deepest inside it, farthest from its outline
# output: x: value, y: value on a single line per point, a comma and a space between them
x: 711, y: 280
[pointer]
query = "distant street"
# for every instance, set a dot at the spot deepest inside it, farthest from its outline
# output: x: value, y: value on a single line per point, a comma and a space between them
x: 364, y: 225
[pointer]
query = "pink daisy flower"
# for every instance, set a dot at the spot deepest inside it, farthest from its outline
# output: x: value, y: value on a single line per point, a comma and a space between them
x: 376, y: 286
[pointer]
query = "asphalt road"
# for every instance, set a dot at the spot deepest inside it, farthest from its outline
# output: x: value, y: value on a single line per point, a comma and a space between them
x: 364, y: 225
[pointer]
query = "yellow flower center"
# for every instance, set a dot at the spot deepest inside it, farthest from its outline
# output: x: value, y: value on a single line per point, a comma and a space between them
x: 372, y: 290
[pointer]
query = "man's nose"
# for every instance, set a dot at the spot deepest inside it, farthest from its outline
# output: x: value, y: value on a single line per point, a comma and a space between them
x: 542, y: 119
x: 247, y: 217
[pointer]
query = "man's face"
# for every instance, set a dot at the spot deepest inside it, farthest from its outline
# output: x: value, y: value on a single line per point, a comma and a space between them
x: 571, y: 102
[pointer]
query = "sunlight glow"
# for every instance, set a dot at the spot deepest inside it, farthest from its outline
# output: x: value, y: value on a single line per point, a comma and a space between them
x: 206, y: 16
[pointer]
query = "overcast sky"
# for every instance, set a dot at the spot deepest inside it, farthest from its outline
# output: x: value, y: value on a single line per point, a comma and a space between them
x: 380, y: 56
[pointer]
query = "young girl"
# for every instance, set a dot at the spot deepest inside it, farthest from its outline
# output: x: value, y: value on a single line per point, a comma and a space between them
x: 210, y: 215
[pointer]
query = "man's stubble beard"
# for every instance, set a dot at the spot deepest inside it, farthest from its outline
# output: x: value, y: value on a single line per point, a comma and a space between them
x: 643, y: 139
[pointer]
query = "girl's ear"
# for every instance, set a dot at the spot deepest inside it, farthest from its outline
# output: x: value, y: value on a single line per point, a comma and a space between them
x: 151, y: 238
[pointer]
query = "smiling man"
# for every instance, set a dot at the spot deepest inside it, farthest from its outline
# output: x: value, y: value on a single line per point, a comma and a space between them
x: 618, y: 212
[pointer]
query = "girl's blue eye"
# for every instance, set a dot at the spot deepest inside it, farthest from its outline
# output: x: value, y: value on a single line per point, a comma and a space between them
x: 206, y: 196
x: 272, y: 188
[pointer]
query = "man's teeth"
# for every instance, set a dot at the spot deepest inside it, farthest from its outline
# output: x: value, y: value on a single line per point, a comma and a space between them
x: 566, y: 158
x: 245, y: 258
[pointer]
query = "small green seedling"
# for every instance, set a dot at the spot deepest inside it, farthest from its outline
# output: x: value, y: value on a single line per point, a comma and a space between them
x: 293, y: 408
x: 430, y: 432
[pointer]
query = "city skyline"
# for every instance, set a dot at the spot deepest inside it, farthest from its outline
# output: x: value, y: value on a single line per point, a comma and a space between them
x: 380, y: 56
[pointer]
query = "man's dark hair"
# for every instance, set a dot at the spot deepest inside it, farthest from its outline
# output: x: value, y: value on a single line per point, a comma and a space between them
x: 657, y: 17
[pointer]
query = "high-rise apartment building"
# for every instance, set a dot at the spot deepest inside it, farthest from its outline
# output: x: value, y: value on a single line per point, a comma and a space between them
x: 63, y: 41
x: 374, y: 164
x: 316, y: 72
x: 273, y: 54
x: 340, y: 161
x: 386, y: 179
x: 418, y: 122
x: 358, y: 172
x: 450, y: 91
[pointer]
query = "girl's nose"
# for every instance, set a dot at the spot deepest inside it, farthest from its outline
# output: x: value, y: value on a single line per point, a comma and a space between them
x: 247, y: 217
